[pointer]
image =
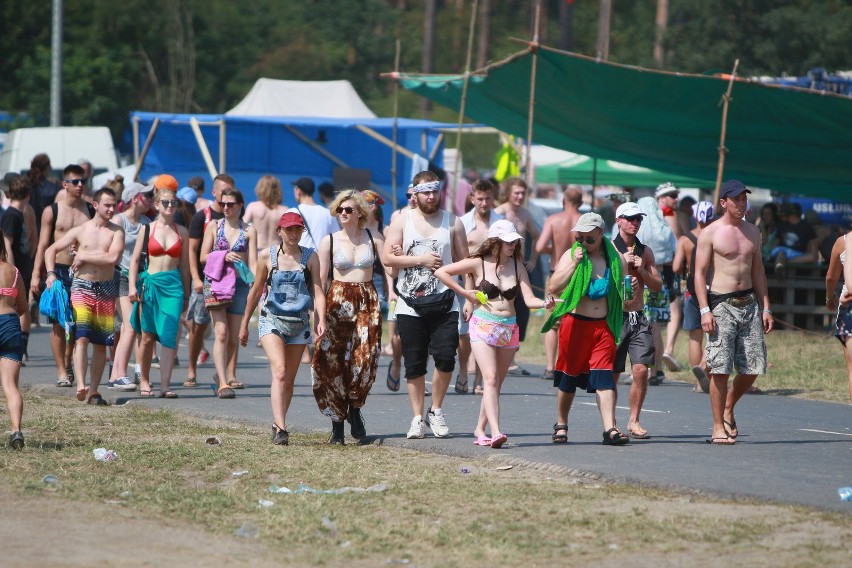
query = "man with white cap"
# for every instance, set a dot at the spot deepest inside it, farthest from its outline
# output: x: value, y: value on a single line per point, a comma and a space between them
x: 636, y: 336
x: 703, y: 213
x: 735, y: 313
x: 589, y: 278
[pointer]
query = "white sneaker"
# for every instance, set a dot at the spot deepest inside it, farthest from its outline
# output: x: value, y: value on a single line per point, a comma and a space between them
x: 124, y: 384
x: 418, y: 428
x: 436, y: 422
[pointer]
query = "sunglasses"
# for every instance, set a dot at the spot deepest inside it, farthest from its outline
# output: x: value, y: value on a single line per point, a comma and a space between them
x: 76, y: 181
x: 224, y: 204
x: 169, y: 203
x: 587, y: 240
x: 347, y: 210
x: 633, y: 218
x: 409, y: 195
x: 294, y: 229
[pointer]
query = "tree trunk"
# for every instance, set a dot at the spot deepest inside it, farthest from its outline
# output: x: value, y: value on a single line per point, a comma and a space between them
x: 566, y: 14
x: 428, y: 49
x: 484, y: 33
x: 660, y: 36
x: 603, y: 29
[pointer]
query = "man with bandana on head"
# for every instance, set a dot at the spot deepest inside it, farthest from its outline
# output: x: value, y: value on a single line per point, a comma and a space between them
x: 430, y: 238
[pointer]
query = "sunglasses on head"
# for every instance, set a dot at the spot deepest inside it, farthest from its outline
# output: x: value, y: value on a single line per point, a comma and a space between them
x: 77, y: 181
x: 347, y: 210
x: 169, y: 203
x: 589, y: 240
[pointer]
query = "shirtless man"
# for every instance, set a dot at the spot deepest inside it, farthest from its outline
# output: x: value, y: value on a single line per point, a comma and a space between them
x: 71, y: 212
x: 513, y: 194
x: 556, y: 238
x: 735, y: 312
x: 98, y: 246
x: 264, y: 213
x: 636, y: 337
x: 476, y: 223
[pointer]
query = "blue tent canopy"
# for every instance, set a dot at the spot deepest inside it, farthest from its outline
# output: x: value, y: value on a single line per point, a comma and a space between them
x: 286, y: 147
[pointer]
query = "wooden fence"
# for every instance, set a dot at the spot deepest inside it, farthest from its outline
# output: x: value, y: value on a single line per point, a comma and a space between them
x: 799, y: 298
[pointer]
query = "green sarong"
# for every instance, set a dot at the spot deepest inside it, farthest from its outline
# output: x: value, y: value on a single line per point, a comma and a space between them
x: 161, y: 306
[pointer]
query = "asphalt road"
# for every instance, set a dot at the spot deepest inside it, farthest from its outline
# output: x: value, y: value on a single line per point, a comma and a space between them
x: 789, y: 450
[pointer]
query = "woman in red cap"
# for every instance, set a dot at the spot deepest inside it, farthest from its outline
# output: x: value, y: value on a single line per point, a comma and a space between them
x: 292, y: 275
x: 346, y: 359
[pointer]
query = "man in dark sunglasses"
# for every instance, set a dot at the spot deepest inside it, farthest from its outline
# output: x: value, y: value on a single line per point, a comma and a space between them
x: 67, y: 212
x: 636, y: 334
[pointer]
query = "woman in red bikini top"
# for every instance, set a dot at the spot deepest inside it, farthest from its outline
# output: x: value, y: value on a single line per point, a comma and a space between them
x: 13, y: 303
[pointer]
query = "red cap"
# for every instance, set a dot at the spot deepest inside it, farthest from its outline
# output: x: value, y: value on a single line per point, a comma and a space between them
x: 291, y: 219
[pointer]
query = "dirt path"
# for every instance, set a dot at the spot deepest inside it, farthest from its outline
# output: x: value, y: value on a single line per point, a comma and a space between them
x: 40, y: 531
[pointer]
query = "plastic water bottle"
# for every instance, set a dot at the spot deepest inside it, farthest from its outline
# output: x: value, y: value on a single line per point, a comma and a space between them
x: 845, y: 493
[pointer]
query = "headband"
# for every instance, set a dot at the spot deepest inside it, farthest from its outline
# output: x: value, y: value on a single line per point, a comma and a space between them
x: 427, y: 186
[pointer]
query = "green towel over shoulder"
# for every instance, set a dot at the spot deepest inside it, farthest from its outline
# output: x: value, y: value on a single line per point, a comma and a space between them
x: 578, y: 287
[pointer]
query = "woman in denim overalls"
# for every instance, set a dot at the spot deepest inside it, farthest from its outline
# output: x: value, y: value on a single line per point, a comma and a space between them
x: 292, y: 274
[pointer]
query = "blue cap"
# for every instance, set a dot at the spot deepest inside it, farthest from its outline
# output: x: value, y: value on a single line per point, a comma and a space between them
x: 187, y: 194
x: 732, y: 188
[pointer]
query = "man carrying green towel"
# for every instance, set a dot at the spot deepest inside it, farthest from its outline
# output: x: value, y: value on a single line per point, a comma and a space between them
x: 589, y: 279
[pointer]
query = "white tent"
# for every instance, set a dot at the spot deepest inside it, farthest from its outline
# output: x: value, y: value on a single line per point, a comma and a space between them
x: 327, y: 99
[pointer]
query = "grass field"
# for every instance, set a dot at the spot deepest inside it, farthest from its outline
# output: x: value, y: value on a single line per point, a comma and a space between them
x: 432, y: 512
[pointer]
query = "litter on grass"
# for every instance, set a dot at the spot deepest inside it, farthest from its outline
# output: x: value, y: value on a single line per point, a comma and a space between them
x: 213, y: 441
x: 302, y: 488
x: 504, y: 468
x: 50, y: 479
x: 104, y: 455
x: 240, y: 473
x: 247, y: 530
x: 265, y: 503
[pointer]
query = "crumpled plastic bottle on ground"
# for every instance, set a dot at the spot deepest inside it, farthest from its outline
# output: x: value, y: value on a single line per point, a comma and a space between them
x: 105, y: 455
x: 248, y: 530
x: 265, y: 503
x: 845, y: 493
x: 50, y: 479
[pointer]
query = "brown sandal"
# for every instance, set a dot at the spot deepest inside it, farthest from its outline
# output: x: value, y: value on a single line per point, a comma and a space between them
x: 190, y: 382
x: 226, y: 392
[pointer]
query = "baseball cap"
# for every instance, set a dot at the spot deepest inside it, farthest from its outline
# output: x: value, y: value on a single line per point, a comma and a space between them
x: 589, y: 222
x: 703, y: 211
x: 667, y: 188
x: 306, y: 184
x: 504, y: 230
x: 732, y: 188
x: 165, y: 181
x: 629, y: 209
x: 132, y: 190
x: 188, y: 194
x: 372, y: 197
x: 291, y: 219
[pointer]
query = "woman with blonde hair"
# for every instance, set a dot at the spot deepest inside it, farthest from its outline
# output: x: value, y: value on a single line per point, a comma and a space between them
x: 164, y: 282
x: 264, y: 213
x: 494, y: 333
x: 346, y: 358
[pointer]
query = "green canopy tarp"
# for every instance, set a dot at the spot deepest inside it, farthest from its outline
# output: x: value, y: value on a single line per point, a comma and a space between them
x: 779, y: 138
x: 585, y: 170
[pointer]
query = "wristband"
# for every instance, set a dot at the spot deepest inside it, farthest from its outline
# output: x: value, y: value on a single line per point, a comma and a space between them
x: 767, y: 311
x: 51, y: 273
x: 703, y: 311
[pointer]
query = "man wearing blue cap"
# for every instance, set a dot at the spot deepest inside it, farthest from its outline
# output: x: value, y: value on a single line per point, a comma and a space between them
x: 734, y: 310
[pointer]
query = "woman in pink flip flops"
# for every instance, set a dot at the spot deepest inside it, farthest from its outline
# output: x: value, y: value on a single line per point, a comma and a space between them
x: 493, y: 328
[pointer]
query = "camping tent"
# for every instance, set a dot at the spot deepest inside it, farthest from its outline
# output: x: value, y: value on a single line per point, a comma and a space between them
x: 782, y: 138
x: 329, y: 99
x: 186, y: 145
x: 585, y: 170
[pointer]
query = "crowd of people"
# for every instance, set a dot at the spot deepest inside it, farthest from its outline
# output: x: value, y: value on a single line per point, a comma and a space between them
x: 134, y: 267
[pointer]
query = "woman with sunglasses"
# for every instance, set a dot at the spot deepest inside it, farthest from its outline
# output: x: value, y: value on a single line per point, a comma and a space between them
x: 346, y: 358
x: 163, y: 248
x: 232, y: 242
x: 291, y: 275
x: 494, y: 332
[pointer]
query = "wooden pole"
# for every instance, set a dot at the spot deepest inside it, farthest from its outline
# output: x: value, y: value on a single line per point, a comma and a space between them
x: 454, y: 188
x: 141, y: 158
x: 531, y: 110
x: 395, y: 125
x: 202, y: 145
x: 726, y: 99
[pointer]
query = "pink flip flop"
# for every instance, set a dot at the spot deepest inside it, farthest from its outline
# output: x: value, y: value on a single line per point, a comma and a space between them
x: 498, y: 441
x: 482, y: 441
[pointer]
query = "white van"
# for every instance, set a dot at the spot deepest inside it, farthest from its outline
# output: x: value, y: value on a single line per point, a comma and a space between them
x: 63, y: 144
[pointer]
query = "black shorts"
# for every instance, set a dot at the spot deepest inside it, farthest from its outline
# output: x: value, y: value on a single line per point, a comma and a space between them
x: 421, y: 337
x: 636, y: 341
x: 671, y: 281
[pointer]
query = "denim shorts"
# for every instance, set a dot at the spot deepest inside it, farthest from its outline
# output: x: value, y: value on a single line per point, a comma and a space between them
x: 238, y: 304
x: 691, y: 315
x: 11, y: 341
x: 266, y: 325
